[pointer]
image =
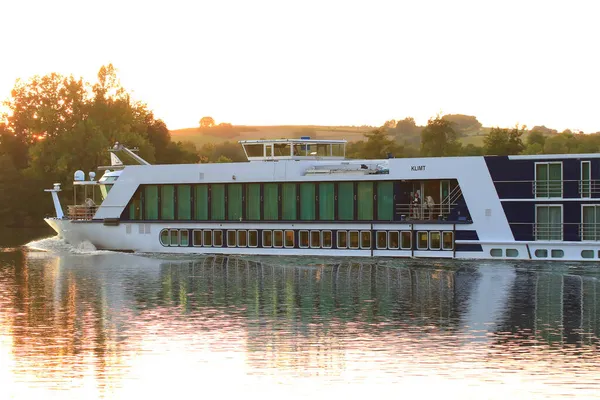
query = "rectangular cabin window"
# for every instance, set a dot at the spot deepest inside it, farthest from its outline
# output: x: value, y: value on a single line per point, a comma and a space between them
x: 242, y: 238
x: 197, y: 237
x: 253, y: 238
x: 288, y: 197
x: 365, y: 239
x: 315, y: 239
x: 447, y: 240
x: 548, y: 179
x: 393, y: 240
x: 231, y: 238
x: 345, y: 201
x: 208, y: 238
x: 422, y: 243
x: 282, y: 150
x: 337, y: 150
x: 135, y: 206
x: 307, y: 201
x: 406, y: 241
x: 323, y: 150
x: 342, y: 239
x: 353, y: 242
x: 365, y: 201
x: 217, y: 238
x: 289, y: 239
x: 326, y: 201
x: 167, y: 202
x: 174, y: 235
x: 267, y: 238
x: 277, y: 238
x: 271, y: 201
x: 184, y: 202
x: 326, y: 242
x: 586, y: 182
x: 301, y: 149
x: 253, y: 202
x: 217, y: 201
x: 590, y: 222
x: 234, y: 201
x: 548, y: 222
x: 381, y: 239
x: 201, y: 202
x: 151, y: 202
x: 184, y: 237
x: 303, y: 238
x: 385, y: 201
x: 254, y: 150
x: 434, y: 240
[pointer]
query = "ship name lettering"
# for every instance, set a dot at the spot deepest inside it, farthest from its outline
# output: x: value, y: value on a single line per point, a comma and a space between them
x: 417, y: 168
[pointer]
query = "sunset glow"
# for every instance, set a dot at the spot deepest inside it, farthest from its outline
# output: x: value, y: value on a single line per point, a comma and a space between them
x: 322, y: 62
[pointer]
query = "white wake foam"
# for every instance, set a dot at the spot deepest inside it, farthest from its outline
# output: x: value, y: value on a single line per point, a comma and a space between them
x: 57, y: 244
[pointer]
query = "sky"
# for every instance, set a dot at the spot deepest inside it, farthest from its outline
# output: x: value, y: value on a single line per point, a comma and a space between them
x: 324, y: 62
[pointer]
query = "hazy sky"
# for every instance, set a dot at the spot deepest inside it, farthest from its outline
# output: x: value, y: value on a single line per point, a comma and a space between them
x: 322, y: 62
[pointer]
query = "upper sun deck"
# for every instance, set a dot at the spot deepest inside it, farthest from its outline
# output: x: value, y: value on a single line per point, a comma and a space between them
x: 294, y: 149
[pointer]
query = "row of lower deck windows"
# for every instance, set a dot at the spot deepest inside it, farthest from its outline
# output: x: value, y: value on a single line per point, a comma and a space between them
x: 542, y: 253
x: 314, y: 239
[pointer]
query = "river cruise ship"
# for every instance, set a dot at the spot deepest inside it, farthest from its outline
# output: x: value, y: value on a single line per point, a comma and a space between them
x: 302, y: 197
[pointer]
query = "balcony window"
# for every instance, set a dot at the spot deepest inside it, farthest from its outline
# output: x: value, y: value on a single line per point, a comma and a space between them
x: 548, y: 224
x: 548, y: 180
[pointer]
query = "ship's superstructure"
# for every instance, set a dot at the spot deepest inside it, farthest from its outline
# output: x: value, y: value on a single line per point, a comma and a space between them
x: 302, y: 197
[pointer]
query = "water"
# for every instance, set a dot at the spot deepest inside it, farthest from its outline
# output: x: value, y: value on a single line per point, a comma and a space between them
x: 80, y: 323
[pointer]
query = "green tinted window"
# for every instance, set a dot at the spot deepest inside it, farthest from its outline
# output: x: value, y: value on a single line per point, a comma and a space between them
x: 365, y: 200
x: 184, y: 204
x: 234, y: 201
x: 385, y: 201
x: 167, y: 202
x: 271, y: 200
x: 201, y: 202
x: 326, y: 202
x: 217, y: 201
x: 135, y: 206
x: 288, y: 209
x: 253, y: 202
x: 307, y: 201
x: 345, y: 201
x: 151, y: 202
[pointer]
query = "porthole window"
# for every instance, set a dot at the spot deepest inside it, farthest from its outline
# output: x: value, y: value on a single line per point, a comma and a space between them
x: 267, y: 238
x: 252, y: 238
x: 315, y: 239
x: 365, y: 239
x: 353, y: 240
x: 208, y: 236
x: 393, y: 240
x: 303, y: 238
x: 434, y: 241
x: 512, y: 253
x: 342, y: 239
x: 557, y: 253
x: 197, y: 237
x: 381, y: 239
x: 326, y: 239
x: 496, y: 252
x: 289, y: 239
x: 164, y: 237
x: 277, y: 238
x: 541, y: 253
x: 587, y: 253
x: 422, y: 240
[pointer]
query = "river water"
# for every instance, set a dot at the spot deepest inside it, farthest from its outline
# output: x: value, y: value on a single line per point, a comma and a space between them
x: 78, y: 323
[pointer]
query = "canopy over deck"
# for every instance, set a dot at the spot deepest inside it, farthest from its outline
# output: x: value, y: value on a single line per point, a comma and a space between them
x: 294, y: 149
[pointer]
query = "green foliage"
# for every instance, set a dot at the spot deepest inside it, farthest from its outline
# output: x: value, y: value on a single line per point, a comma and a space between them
x: 464, y: 125
x: 231, y: 151
x: 503, y: 142
x: 377, y: 146
x: 438, y: 139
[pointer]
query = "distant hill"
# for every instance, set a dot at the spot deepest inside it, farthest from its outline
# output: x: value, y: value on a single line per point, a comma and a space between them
x: 217, y: 134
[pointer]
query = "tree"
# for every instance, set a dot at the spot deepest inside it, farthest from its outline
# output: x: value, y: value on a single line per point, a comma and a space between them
x: 502, y: 142
x: 377, y: 146
x: 438, y: 139
x: 464, y: 125
x: 207, y: 122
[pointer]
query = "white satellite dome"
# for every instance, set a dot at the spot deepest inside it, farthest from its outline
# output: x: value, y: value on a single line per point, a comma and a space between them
x: 79, y: 175
x: 92, y: 175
